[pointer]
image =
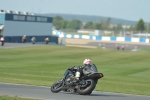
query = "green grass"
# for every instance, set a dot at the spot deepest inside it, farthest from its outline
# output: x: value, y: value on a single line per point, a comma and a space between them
x: 124, y: 71
x: 15, y: 98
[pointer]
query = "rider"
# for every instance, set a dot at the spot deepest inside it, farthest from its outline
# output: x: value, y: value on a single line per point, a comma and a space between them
x: 46, y: 40
x: 2, y: 40
x: 33, y: 39
x: 24, y: 38
x: 78, y: 69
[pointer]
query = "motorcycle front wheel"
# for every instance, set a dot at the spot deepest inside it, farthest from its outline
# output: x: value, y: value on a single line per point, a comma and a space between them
x: 87, y: 88
x: 56, y: 87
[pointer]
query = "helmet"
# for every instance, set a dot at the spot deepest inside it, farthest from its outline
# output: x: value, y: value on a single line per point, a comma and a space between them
x: 87, y: 61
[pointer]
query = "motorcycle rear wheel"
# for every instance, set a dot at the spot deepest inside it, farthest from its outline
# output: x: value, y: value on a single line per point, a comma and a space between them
x: 56, y: 87
x: 88, y: 88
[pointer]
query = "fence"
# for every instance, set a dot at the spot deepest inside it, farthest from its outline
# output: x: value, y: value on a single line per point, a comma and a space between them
x: 103, y: 38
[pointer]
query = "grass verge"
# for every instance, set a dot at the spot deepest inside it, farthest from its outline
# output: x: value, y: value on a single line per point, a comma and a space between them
x: 125, y: 71
x: 15, y: 98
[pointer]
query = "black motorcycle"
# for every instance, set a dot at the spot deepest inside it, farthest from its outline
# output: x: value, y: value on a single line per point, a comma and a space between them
x: 86, y: 84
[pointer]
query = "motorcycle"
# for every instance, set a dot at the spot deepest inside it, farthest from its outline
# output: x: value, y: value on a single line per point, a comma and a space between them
x: 85, y: 85
x: 2, y: 43
x: 33, y: 42
x: 46, y: 42
x: 24, y: 40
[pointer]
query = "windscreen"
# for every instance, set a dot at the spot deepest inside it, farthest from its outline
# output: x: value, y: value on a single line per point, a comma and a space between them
x: 89, y: 69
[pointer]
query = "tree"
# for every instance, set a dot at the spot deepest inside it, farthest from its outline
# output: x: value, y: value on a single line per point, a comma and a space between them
x: 148, y: 27
x: 132, y: 28
x: 97, y: 26
x: 140, y: 25
x: 57, y: 21
x: 88, y: 25
x: 58, y: 18
x: 119, y: 27
x: 63, y: 24
x: 107, y: 25
x: 74, y: 24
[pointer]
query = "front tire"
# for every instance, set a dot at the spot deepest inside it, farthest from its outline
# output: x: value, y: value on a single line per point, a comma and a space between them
x: 56, y: 87
x: 88, y: 88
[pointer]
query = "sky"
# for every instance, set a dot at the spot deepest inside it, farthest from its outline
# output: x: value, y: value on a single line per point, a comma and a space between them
x: 132, y: 10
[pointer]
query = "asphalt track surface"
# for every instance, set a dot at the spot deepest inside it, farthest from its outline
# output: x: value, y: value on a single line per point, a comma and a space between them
x: 114, y: 45
x: 104, y: 45
x: 44, y: 93
x: 18, y: 45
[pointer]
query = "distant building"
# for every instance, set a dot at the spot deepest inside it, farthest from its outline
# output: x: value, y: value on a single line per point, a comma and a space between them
x: 14, y: 24
x: 23, y: 23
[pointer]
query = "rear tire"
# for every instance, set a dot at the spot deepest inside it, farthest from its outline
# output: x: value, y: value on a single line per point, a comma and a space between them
x: 89, y: 93
x: 88, y: 88
x: 56, y: 87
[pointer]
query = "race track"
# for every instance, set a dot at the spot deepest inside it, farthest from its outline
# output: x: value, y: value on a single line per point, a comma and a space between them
x: 89, y: 44
x: 44, y: 93
x: 108, y: 44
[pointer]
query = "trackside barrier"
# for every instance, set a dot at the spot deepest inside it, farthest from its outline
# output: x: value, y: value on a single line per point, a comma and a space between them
x: 39, y: 39
x: 102, y: 38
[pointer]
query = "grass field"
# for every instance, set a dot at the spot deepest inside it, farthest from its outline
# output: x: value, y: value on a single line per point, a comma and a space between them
x: 15, y: 98
x: 124, y: 71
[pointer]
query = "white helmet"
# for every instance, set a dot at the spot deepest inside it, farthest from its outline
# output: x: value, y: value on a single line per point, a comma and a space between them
x: 87, y: 61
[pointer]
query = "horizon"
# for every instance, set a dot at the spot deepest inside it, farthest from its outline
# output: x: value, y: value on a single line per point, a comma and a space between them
x: 91, y: 15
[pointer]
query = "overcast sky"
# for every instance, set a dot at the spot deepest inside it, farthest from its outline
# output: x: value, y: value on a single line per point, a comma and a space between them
x: 123, y: 9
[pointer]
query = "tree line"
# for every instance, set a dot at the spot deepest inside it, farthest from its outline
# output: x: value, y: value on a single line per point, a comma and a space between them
x: 62, y: 24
